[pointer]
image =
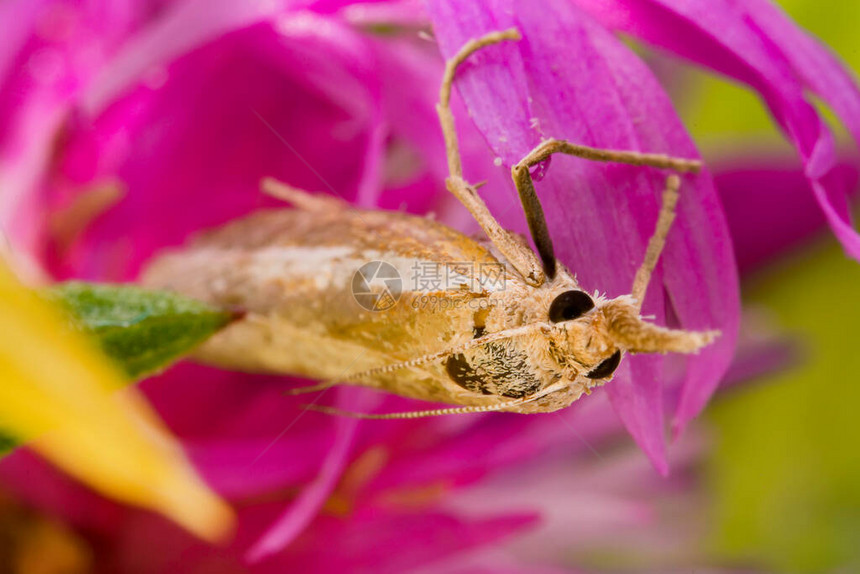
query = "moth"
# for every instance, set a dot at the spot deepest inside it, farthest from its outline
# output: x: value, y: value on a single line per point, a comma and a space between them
x: 331, y: 292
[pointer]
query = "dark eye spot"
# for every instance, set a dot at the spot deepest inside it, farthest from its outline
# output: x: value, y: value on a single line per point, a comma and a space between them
x: 570, y: 305
x: 462, y: 373
x: 606, y: 368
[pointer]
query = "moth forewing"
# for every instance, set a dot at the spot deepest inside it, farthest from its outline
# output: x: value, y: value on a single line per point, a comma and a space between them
x: 297, y: 276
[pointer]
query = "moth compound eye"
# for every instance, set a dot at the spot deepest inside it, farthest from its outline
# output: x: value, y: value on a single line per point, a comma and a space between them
x: 570, y: 305
x: 606, y: 368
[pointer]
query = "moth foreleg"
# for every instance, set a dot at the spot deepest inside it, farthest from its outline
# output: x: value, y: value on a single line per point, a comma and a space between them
x: 535, y: 217
x: 443, y: 108
x: 658, y: 239
x: 519, y: 255
x: 524, y: 183
x: 661, y: 161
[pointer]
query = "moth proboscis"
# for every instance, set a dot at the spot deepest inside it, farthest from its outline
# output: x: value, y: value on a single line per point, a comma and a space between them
x: 525, y: 338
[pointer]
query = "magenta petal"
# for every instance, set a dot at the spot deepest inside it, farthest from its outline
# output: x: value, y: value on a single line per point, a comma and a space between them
x: 307, y: 505
x: 602, y: 215
x: 387, y: 542
x: 750, y: 187
x: 248, y: 453
x: 752, y: 41
x: 411, y: 124
x: 263, y: 440
x: 818, y: 68
x: 51, y: 52
x: 16, y: 24
x: 186, y: 25
x: 493, y: 81
x: 192, y: 150
x: 636, y: 395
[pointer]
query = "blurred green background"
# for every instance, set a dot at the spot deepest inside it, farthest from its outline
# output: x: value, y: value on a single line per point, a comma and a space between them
x: 784, y: 478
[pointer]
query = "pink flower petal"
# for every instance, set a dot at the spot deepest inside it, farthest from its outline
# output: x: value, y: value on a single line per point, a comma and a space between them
x: 601, y: 216
x: 16, y: 25
x: 248, y: 452
x: 50, y: 52
x: 754, y: 43
x: 493, y: 81
x: 412, y: 126
x: 818, y: 68
x: 398, y: 542
x: 192, y: 149
x: 750, y: 187
x: 185, y: 25
x: 307, y: 505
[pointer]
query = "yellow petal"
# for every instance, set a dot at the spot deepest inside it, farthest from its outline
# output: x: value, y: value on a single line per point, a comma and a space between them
x: 57, y: 390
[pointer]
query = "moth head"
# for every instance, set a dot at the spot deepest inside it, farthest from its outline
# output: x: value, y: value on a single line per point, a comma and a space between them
x: 595, y: 333
x: 580, y: 343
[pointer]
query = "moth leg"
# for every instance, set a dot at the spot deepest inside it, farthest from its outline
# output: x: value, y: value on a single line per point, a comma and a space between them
x: 534, y: 216
x: 500, y: 406
x: 520, y: 256
x: 311, y: 388
x: 658, y: 239
x: 517, y: 253
x: 299, y: 198
x: 646, y: 337
x: 443, y: 108
x: 524, y: 183
x: 551, y: 146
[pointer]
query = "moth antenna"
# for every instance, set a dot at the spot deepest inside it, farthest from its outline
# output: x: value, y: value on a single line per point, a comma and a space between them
x: 440, y: 412
x: 500, y: 335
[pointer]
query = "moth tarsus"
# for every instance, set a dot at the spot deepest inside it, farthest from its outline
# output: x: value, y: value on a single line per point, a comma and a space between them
x: 318, y: 284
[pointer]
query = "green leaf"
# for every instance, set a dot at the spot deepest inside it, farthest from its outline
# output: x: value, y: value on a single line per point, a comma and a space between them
x: 143, y: 331
x: 6, y: 444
